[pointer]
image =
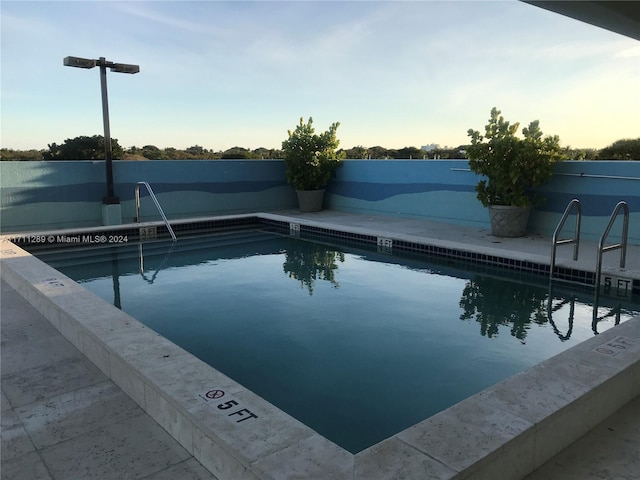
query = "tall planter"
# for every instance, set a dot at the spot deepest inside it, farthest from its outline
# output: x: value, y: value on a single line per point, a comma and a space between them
x: 310, y: 200
x: 310, y: 162
x: 510, y: 169
x: 508, y: 220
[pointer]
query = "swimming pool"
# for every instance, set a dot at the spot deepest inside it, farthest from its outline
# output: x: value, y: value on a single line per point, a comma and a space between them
x: 356, y: 343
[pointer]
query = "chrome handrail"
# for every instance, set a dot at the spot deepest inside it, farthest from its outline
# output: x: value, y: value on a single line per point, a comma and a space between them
x: 575, y: 240
x: 155, y: 200
x: 623, y: 240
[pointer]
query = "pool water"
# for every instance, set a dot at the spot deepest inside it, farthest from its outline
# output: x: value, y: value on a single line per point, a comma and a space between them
x: 356, y: 344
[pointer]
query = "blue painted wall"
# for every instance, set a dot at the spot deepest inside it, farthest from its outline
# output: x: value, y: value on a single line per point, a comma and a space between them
x: 444, y: 190
x: 438, y: 190
x: 41, y: 195
x: 599, y: 186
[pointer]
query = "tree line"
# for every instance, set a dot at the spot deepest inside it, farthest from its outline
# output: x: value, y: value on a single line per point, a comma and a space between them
x: 92, y: 148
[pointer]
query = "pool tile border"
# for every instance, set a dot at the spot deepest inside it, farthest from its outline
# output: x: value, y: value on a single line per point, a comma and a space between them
x: 527, y: 418
x: 420, y: 247
x: 502, y: 259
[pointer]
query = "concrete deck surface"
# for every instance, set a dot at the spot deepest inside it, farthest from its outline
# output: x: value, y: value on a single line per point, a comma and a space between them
x: 479, y: 239
x: 63, y: 419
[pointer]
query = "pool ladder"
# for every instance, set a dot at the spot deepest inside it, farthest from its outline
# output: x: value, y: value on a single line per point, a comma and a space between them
x: 576, y: 238
x: 155, y: 200
x: 622, y: 245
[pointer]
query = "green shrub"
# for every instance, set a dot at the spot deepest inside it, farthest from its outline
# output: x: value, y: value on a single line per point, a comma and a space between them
x: 311, y: 160
x: 512, y: 166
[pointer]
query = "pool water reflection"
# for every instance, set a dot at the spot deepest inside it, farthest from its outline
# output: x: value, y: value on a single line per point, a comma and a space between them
x: 354, y: 343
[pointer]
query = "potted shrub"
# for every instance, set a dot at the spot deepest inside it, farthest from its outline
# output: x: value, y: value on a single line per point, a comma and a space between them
x: 511, y: 167
x: 311, y: 161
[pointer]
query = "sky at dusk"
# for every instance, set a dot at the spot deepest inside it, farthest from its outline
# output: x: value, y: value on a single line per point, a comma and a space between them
x: 241, y: 73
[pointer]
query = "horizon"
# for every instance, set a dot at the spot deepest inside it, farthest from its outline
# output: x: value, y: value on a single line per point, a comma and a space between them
x: 439, y: 148
x: 240, y: 74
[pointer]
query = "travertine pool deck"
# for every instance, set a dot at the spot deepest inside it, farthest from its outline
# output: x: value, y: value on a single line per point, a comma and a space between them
x: 64, y: 416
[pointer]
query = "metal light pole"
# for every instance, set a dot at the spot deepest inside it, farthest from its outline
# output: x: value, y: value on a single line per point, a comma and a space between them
x: 111, y: 197
x: 78, y: 62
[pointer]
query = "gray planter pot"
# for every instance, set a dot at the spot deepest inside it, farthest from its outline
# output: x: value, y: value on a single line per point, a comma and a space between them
x: 508, y: 221
x: 310, y: 200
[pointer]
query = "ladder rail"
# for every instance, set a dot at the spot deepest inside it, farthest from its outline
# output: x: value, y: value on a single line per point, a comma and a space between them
x: 575, y: 240
x: 155, y: 201
x: 623, y: 240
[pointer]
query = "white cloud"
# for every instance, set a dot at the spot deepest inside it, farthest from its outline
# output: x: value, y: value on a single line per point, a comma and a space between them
x: 148, y: 12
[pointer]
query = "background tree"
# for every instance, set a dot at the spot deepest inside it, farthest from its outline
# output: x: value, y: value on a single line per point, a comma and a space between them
x: 357, y: 152
x: 409, y: 152
x: 171, y: 153
x: 625, y: 149
x: 83, y: 148
x: 262, y: 152
x: 447, y: 153
x: 196, y: 151
x: 92, y: 148
x: 10, y: 155
x: 152, y: 153
x: 581, y: 153
x: 238, y: 153
x: 133, y: 153
x: 380, y: 152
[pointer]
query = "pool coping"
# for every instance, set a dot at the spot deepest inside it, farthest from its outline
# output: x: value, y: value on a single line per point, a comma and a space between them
x: 505, y: 431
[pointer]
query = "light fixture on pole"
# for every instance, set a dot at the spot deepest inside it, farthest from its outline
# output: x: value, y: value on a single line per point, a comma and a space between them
x: 114, y: 67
